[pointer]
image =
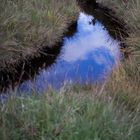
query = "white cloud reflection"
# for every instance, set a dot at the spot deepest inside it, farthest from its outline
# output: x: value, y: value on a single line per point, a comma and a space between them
x: 89, y: 38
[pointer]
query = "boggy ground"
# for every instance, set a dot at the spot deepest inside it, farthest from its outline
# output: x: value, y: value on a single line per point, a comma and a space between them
x: 108, y: 112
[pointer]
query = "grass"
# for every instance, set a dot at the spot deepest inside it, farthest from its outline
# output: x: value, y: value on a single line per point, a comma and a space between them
x: 27, y: 26
x: 107, y: 112
x: 67, y: 116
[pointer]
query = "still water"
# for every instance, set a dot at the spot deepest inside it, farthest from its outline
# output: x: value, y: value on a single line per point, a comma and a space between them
x: 87, y: 57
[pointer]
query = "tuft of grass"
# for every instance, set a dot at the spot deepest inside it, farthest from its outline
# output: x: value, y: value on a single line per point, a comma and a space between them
x: 28, y: 25
x: 123, y: 86
x: 72, y: 116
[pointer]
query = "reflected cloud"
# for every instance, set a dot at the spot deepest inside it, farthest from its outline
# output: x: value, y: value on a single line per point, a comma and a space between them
x: 89, y: 38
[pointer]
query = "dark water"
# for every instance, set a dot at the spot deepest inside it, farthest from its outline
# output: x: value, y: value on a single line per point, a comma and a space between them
x: 86, y: 57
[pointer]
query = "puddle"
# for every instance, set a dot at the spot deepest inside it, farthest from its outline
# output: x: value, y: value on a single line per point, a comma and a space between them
x: 86, y: 57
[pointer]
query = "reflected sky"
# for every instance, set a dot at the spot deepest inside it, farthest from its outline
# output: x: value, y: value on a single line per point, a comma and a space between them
x: 88, y: 56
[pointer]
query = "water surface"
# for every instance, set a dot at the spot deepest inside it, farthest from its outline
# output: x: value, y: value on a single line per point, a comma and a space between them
x: 87, y: 57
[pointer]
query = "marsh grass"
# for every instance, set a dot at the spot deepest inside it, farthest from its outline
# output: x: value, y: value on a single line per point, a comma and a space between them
x: 71, y: 116
x: 26, y: 26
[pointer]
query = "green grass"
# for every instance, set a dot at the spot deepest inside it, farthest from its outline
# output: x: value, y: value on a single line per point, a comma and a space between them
x: 28, y: 25
x: 67, y: 116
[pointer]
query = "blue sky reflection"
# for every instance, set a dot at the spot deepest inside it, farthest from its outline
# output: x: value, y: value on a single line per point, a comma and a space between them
x: 87, y: 57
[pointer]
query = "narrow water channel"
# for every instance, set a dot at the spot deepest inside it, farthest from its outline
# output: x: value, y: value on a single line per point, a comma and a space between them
x: 87, y: 54
x: 86, y: 57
